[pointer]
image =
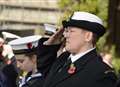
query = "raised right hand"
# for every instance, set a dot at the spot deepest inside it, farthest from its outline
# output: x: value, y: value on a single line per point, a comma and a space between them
x: 56, y: 38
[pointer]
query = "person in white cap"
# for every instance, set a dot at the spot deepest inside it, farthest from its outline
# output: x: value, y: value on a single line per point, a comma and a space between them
x: 80, y: 65
x: 8, y: 69
x: 26, y: 47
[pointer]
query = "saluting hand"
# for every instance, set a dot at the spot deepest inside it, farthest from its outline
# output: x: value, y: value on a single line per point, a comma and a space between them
x: 56, y: 38
x: 7, y: 51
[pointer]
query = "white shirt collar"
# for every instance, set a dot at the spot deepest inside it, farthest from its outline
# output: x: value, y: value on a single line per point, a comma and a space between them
x: 34, y: 76
x: 79, y: 55
x: 23, y: 80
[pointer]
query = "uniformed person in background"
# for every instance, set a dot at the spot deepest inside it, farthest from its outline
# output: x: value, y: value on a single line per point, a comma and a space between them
x: 26, y: 48
x: 85, y: 67
x: 8, y: 69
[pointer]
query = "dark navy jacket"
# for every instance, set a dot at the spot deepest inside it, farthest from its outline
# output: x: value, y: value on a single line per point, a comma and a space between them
x: 8, y: 74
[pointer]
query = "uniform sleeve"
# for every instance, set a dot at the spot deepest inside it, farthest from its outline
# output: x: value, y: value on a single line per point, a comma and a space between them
x: 106, y: 79
x: 10, y: 72
x: 46, y: 55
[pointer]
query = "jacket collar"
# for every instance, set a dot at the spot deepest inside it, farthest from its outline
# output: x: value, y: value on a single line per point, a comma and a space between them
x: 79, y: 55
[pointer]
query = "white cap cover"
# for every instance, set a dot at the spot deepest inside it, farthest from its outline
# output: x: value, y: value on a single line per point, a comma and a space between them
x: 25, y: 43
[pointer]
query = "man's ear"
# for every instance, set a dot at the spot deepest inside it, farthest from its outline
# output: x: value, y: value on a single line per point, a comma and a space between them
x: 34, y: 58
x: 88, y: 36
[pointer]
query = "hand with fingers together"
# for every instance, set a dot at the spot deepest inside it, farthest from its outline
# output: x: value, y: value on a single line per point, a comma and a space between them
x: 56, y: 38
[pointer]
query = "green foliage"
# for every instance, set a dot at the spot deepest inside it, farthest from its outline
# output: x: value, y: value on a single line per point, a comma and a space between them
x: 116, y: 60
x: 116, y: 63
x: 98, y: 7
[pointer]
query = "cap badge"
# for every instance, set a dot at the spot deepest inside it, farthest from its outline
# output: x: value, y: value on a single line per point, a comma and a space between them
x: 29, y: 45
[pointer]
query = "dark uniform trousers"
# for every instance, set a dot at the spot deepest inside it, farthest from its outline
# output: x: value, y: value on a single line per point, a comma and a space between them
x: 90, y: 70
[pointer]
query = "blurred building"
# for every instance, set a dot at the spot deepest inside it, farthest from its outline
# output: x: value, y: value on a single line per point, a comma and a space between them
x: 26, y: 17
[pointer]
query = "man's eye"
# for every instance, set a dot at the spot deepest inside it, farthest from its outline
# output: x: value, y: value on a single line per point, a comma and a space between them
x: 71, y: 30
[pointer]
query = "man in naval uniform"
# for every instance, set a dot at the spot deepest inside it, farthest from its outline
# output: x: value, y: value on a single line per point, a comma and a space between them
x: 85, y: 67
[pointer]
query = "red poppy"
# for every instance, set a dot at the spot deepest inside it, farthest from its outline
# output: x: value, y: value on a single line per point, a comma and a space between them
x: 72, y: 69
x: 29, y: 45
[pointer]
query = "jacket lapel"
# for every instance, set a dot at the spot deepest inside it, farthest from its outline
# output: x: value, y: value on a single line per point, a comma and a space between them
x: 56, y: 66
x: 60, y: 76
x: 61, y: 61
x: 79, y: 64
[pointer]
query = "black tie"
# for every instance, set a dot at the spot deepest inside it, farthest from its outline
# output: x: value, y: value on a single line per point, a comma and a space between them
x: 68, y: 62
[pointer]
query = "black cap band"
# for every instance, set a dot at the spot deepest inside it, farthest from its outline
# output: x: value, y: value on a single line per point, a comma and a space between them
x: 90, y: 26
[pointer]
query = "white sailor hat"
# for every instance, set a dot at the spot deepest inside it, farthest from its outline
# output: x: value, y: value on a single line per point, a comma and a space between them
x: 25, y: 44
x: 86, y: 21
x: 49, y: 29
